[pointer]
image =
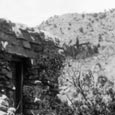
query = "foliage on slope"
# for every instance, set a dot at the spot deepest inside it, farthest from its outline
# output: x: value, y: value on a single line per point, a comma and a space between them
x: 88, y: 92
x: 97, y: 29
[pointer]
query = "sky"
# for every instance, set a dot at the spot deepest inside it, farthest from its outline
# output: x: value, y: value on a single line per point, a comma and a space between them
x: 33, y: 12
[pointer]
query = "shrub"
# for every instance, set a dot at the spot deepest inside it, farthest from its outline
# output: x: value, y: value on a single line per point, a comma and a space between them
x: 92, y: 96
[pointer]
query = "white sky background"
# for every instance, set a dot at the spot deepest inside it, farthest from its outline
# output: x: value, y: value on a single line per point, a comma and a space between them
x: 33, y: 12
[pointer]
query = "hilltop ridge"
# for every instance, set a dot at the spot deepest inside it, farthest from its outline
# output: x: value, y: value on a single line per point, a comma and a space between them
x: 87, y: 27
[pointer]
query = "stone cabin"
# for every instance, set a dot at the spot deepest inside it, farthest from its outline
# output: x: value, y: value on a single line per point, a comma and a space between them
x: 20, y: 49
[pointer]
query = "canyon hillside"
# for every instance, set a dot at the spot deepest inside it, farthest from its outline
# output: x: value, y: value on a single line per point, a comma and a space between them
x: 95, y: 33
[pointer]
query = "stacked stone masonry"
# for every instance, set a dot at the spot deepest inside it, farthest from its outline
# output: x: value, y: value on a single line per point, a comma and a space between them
x: 24, y: 46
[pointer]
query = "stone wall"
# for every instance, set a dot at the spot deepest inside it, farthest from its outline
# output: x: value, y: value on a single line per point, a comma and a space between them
x: 42, y: 63
x: 7, y: 84
x: 40, y: 82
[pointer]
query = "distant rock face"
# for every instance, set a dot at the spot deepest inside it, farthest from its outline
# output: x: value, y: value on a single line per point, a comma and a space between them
x: 87, y: 27
x: 98, y: 66
x: 97, y: 29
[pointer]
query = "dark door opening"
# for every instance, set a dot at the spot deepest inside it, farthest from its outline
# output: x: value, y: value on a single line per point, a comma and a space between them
x: 20, y: 66
x: 19, y: 86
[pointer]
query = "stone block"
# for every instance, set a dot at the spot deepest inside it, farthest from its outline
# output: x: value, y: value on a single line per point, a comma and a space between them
x: 26, y: 44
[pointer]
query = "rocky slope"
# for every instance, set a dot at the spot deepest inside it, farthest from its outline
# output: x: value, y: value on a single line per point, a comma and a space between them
x: 87, y: 27
x: 98, y: 29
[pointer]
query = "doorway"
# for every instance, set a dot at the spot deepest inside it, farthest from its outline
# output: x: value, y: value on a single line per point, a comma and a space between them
x: 19, y: 65
x: 19, y: 86
x: 19, y: 70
